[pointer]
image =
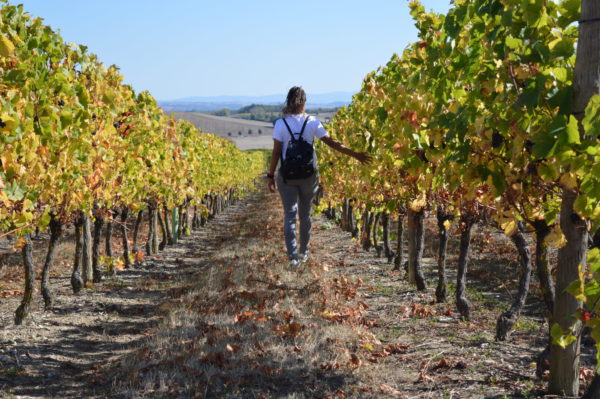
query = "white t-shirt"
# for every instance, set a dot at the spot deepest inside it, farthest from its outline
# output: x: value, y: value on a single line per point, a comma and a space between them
x: 314, y: 129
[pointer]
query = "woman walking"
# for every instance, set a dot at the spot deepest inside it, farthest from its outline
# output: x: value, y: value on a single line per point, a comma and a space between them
x: 298, y: 178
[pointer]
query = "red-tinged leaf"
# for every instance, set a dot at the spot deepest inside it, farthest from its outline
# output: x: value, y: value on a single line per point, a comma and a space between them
x: 396, y: 348
x: 449, y: 312
x: 423, y: 377
x: 355, y: 360
x: 586, y: 374
x: 242, y: 317
x: 288, y: 315
x: 383, y: 353
x: 19, y: 244
x: 11, y: 293
x: 139, y: 257
x: 295, y: 328
x: 421, y: 311
x: 391, y: 391
x: 441, y: 364
x: 330, y: 366
x: 404, y: 311
x: 369, y: 323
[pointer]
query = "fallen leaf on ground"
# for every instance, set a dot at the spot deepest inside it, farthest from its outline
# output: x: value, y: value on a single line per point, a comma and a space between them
x: 391, y: 391
x: 423, y: 377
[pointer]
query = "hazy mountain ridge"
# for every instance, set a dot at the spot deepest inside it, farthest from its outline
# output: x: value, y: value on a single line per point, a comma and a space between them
x: 215, y: 103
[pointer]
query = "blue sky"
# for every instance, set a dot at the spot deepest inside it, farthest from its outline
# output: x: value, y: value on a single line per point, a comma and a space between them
x: 184, y: 48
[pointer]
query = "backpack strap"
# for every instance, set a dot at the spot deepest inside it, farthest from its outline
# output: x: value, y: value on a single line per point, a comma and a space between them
x: 301, y: 131
x: 304, y: 126
x: 291, y: 135
x: 288, y: 128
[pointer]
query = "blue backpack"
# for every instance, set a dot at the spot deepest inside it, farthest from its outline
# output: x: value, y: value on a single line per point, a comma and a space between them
x: 298, y: 162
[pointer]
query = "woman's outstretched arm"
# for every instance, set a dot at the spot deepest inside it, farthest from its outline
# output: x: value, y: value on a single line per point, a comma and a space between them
x: 362, y: 157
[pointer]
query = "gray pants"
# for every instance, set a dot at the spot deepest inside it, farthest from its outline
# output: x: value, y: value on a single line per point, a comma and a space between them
x: 297, y: 196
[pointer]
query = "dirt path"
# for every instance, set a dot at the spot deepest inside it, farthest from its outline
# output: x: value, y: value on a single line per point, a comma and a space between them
x: 221, y: 315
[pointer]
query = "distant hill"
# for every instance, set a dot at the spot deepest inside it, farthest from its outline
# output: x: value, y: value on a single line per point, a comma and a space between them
x: 215, y: 103
x: 270, y: 113
x: 246, y: 134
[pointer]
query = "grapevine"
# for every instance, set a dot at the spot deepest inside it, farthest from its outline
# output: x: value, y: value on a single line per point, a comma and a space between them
x: 78, y: 145
x: 475, y: 122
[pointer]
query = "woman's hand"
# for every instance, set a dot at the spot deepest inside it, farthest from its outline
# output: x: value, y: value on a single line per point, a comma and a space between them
x: 363, y: 157
x: 271, y: 183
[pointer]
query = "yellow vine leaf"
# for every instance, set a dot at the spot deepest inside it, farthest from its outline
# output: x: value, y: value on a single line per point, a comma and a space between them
x: 418, y: 204
x: 7, y: 48
x: 510, y: 226
x: 568, y: 180
x: 8, y: 123
x: 556, y: 238
x: 4, y: 198
x: 20, y: 243
x: 27, y: 204
x: 453, y: 107
x: 119, y: 264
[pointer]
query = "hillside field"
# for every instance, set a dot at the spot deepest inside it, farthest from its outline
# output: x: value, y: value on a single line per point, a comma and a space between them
x: 246, y: 134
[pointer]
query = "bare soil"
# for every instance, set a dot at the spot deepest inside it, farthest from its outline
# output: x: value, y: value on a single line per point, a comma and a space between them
x: 222, y: 315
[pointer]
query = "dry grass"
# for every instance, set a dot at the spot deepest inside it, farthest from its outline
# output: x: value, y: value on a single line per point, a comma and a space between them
x: 250, y: 326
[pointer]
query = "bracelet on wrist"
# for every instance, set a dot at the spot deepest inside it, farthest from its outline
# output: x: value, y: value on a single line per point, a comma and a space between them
x: 270, y: 175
